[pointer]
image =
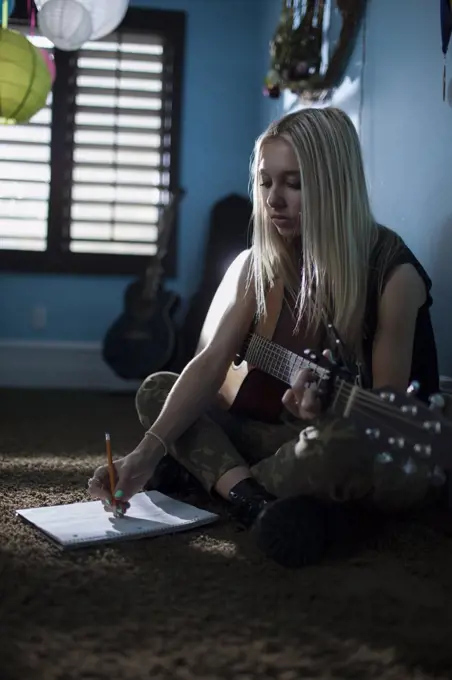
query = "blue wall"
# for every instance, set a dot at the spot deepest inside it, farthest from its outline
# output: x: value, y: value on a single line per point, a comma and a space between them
x: 407, y: 140
x: 406, y: 136
x: 221, y: 118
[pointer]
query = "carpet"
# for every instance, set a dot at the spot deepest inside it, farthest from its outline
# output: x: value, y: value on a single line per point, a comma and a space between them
x: 202, y: 605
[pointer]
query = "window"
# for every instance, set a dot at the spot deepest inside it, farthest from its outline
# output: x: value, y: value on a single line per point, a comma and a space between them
x: 25, y: 179
x: 82, y: 185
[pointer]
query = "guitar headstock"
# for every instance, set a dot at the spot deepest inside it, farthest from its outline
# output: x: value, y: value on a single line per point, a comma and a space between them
x: 402, y: 427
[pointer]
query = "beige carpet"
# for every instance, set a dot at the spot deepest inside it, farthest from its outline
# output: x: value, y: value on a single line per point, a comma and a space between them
x: 202, y: 605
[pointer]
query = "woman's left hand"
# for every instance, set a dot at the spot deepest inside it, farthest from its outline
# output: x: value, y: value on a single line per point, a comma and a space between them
x: 301, y: 399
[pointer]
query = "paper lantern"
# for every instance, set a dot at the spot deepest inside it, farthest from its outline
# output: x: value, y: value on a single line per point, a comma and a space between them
x: 66, y: 23
x: 25, y: 80
x: 106, y: 15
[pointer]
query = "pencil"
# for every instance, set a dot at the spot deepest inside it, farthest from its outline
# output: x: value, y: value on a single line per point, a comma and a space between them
x: 111, y: 467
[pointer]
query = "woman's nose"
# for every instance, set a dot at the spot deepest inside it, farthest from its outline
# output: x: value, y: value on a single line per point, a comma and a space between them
x: 275, y: 199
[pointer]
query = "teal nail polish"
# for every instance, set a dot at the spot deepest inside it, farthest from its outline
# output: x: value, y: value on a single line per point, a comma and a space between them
x: 107, y: 501
x: 119, y: 494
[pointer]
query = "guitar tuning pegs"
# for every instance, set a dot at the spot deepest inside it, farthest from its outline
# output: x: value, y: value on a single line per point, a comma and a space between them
x: 387, y: 396
x: 397, y: 442
x: 423, y: 450
x: 432, y: 426
x: 437, y: 402
x: 411, y: 410
x: 413, y: 388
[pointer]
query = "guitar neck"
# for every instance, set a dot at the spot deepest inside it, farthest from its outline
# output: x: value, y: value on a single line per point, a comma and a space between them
x: 285, y: 365
x: 276, y: 360
x: 154, y: 271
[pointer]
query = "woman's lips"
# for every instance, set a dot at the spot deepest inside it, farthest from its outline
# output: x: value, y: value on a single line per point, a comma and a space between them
x: 281, y: 221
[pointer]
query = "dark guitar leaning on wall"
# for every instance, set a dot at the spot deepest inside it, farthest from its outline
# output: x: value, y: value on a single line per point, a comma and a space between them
x: 143, y: 339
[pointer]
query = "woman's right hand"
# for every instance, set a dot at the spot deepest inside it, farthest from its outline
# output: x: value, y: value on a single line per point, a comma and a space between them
x: 132, y: 473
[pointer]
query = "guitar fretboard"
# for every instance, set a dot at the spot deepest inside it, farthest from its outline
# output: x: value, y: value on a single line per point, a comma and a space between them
x: 277, y: 360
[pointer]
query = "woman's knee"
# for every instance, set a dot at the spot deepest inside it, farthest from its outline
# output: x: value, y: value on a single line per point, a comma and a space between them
x: 152, y: 394
x: 336, y: 458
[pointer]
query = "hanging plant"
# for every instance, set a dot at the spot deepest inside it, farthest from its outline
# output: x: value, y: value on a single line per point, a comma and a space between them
x: 296, y: 48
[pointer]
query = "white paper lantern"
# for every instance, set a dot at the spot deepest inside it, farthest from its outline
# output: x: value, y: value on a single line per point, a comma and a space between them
x: 66, y: 23
x: 106, y: 15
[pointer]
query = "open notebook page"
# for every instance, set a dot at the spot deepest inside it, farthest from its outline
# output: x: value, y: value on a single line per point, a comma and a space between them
x: 150, y: 514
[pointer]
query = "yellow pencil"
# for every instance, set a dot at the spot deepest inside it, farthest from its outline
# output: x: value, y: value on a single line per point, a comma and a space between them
x: 111, y: 467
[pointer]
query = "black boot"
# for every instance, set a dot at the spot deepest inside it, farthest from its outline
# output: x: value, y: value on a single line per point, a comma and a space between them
x: 299, y: 531
x: 248, y: 498
x: 170, y: 477
x: 294, y: 532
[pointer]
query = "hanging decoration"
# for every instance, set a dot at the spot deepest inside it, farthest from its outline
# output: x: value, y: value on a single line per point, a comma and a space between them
x: 94, y: 19
x: 106, y: 16
x: 296, y: 51
x: 25, y: 80
x: 46, y: 55
x: 66, y: 23
x: 446, y: 32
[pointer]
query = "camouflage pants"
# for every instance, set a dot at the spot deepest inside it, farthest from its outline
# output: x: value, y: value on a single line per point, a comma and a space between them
x: 328, y: 461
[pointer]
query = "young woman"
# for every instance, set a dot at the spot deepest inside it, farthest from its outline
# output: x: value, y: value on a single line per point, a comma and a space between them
x: 319, y: 263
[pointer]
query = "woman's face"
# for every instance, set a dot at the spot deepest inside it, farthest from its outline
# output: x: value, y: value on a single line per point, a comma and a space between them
x: 279, y: 179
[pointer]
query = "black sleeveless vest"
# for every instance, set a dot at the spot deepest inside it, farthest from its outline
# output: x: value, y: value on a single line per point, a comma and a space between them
x: 390, y: 252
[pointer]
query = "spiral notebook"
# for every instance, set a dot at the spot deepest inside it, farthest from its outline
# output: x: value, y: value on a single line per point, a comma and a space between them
x: 79, y: 525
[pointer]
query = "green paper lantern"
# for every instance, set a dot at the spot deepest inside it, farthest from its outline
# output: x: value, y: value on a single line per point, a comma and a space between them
x: 25, y: 81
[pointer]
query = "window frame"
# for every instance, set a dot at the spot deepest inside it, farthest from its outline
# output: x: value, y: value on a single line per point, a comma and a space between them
x: 171, y: 25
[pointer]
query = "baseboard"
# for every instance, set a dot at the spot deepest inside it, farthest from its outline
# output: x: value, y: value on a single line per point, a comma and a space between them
x: 58, y: 365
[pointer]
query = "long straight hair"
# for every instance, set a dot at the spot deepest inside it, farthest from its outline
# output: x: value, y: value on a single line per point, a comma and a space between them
x: 327, y: 280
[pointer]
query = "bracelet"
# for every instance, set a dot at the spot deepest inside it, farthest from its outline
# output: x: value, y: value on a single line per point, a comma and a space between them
x: 165, y: 448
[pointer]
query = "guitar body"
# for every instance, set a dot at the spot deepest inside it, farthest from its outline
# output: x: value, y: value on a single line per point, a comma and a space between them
x: 138, y: 344
x: 251, y: 392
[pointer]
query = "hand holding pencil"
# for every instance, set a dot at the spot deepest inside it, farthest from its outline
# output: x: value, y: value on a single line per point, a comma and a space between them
x: 115, y: 504
x: 117, y: 481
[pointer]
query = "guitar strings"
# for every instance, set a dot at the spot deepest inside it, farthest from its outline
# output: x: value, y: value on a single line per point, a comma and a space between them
x: 375, y: 405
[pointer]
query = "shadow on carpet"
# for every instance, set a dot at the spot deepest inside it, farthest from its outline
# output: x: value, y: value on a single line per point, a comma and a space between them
x: 201, y: 605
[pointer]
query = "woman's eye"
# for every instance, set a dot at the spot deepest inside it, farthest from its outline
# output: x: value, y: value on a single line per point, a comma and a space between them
x: 265, y: 184
x: 296, y: 186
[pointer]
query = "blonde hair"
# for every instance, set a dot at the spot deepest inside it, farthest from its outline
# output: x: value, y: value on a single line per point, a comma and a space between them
x: 337, y: 227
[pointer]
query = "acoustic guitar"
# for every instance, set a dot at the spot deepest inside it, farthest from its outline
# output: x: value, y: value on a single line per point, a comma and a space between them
x: 397, y: 424
x: 143, y: 339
